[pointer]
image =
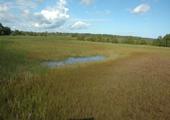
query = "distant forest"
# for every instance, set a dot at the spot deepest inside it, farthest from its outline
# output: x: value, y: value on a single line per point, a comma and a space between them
x: 105, y: 38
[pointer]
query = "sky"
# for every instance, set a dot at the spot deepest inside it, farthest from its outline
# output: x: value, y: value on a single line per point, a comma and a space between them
x: 142, y: 18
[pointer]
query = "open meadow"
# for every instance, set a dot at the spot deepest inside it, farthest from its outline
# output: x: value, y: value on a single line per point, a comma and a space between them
x: 133, y: 82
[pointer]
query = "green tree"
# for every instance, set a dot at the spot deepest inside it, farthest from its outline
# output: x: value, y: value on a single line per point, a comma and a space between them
x: 30, y: 33
x: 158, y: 42
x: 34, y: 34
x: 103, y: 39
x: 130, y: 40
x: 1, y: 29
x: 143, y: 42
x: 13, y: 34
x: 7, y: 30
x: 74, y: 35
x: 1, y: 25
x: 138, y: 41
x: 159, y: 37
x: 99, y: 38
x: 167, y: 40
x: 17, y: 32
x: 114, y: 39
x: 107, y: 39
x: 81, y: 37
x: 44, y: 34
x: 23, y: 33
x: 2, y: 33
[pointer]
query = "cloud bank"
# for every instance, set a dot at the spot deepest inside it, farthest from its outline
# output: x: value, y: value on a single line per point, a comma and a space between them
x: 79, y: 25
x: 6, y: 16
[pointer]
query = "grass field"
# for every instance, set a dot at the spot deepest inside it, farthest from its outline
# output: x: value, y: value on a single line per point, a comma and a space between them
x: 133, y: 82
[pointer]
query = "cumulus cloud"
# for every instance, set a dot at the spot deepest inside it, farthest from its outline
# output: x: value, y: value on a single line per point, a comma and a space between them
x: 108, y: 12
x: 23, y: 26
x: 26, y: 14
x: 87, y: 2
x: 3, y: 9
x: 62, y: 3
x: 52, y: 17
x: 141, y: 9
x: 79, y: 25
x: 6, y: 16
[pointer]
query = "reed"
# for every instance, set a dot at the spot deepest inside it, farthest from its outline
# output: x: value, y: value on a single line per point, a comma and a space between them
x: 131, y: 83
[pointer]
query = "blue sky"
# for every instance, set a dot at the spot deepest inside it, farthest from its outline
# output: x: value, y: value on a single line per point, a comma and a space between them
x: 143, y: 18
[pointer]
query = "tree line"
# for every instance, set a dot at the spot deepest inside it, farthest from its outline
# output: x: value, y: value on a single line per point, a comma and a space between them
x: 162, y: 41
x: 8, y: 31
x: 4, y: 30
x: 113, y: 39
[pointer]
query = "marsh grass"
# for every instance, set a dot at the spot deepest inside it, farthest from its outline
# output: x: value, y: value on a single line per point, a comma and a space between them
x: 133, y: 82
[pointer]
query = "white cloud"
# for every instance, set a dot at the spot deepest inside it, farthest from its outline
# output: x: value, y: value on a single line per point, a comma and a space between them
x: 87, y: 2
x: 60, y: 29
x: 25, y: 3
x: 52, y: 17
x: 130, y: 31
x: 108, y: 12
x: 26, y: 14
x: 8, y: 17
x: 23, y: 26
x: 79, y: 25
x: 4, y: 9
x: 141, y: 9
x: 39, y: 2
x: 62, y: 3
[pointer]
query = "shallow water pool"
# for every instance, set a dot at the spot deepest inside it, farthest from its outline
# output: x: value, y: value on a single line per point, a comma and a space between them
x: 72, y: 60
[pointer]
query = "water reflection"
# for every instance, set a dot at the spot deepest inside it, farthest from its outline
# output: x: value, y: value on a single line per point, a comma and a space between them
x: 72, y: 60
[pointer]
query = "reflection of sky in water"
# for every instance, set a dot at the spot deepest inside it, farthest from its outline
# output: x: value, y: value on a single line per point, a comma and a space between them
x: 72, y: 60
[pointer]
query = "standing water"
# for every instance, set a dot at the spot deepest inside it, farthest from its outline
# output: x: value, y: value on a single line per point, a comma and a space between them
x: 72, y: 60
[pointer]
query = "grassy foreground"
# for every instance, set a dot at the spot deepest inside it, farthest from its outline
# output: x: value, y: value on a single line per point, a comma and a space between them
x: 133, y: 82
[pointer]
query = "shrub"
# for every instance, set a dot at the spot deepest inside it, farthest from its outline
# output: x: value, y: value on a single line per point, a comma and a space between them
x: 81, y: 37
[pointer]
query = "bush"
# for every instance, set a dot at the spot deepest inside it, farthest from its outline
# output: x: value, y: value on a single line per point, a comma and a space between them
x: 4, y: 30
x: 81, y: 37
x: 114, y: 39
x: 107, y: 39
x: 74, y: 35
x: 13, y: 34
x: 129, y: 40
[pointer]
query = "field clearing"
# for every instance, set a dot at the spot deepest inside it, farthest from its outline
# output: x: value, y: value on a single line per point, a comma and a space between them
x: 133, y: 82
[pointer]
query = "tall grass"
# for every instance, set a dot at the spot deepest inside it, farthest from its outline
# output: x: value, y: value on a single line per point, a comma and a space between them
x: 134, y: 85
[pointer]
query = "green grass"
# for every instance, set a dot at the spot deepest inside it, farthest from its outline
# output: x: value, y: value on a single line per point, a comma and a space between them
x: 133, y: 82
